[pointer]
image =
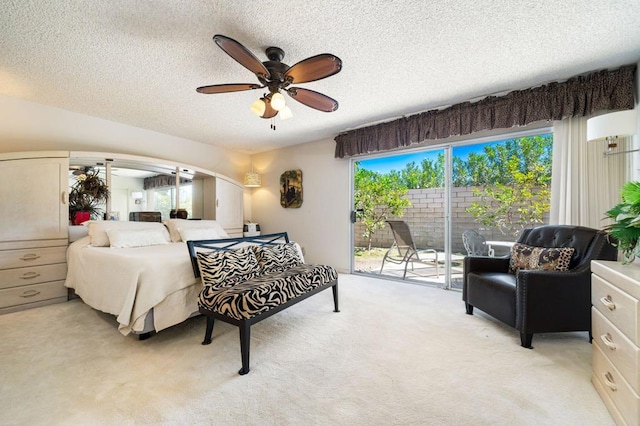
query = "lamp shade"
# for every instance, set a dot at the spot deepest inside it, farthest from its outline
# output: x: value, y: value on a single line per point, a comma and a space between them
x: 621, y: 123
x: 277, y: 101
x: 258, y: 107
x: 285, y: 113
x: 252, y: 180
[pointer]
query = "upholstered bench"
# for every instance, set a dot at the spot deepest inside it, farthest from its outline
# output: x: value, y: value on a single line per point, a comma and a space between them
x: 246, y: 280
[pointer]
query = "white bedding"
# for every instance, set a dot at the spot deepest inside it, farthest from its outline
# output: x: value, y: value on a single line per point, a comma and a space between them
x: 129, y: 282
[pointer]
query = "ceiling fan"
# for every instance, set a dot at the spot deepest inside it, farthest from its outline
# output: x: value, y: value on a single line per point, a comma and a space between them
x: 81, y: 170
x: 277, y: 76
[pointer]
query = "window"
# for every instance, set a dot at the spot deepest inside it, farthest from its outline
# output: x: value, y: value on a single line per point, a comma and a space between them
x: 164, y: 200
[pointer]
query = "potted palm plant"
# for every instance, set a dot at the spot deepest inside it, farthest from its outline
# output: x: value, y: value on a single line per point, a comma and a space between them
x: 86, y: 195
x: 626, y: 226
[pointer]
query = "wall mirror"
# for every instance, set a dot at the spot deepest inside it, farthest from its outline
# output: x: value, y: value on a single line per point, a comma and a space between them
x: 140, y: 184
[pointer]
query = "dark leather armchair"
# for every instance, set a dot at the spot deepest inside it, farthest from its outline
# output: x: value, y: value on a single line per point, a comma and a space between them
x: 539, y: 301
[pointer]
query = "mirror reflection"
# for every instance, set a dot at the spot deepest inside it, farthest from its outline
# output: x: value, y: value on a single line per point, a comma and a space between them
x: 139, y: 187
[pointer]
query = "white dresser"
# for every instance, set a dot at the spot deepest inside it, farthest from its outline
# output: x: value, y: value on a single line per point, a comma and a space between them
x: 616, y: 338
x: 32, y: 274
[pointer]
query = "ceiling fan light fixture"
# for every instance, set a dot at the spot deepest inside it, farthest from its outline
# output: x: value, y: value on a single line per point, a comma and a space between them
x: 277, y: 101
x: 285, y: 113
x: 258, y: 107
x: 276, y: 76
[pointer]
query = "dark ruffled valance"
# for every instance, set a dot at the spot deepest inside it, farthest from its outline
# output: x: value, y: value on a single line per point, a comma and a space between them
x: 162, y: 181
x: 576, y: 97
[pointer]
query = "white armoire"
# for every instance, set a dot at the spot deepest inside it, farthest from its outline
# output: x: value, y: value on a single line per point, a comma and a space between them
x: 34, y: 222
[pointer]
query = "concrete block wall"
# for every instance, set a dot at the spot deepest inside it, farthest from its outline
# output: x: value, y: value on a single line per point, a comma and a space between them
x: 425, y: 217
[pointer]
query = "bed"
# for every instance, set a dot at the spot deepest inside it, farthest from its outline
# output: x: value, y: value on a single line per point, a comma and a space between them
x: 140, y: 272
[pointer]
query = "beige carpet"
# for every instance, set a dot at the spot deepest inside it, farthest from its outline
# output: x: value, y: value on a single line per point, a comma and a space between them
x: 397, y: 354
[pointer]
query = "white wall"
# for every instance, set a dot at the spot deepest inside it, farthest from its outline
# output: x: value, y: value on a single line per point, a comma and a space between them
x: 321, y: 225
x: 28, y: 126
x: 121, y: 201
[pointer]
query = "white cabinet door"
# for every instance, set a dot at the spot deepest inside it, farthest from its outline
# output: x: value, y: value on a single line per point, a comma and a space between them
x: 33, y: 199
x: 229, y: 204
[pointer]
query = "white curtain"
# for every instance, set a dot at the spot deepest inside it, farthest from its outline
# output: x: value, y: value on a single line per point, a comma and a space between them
x: 585, y: 183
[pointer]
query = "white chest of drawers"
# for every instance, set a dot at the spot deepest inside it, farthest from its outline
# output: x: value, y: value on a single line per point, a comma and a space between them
x: 616, y: 338
x: 32, y: 274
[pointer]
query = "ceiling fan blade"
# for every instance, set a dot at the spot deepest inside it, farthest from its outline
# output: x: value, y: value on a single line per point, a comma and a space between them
x: 313, y: 99
x: 226, y: 88
x: 269, y: 112
x: 242, y: 55
x: 314, y: 68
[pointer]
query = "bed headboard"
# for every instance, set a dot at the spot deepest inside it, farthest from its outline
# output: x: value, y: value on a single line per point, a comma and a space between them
x: 232, y: 243
x: 145, y: 216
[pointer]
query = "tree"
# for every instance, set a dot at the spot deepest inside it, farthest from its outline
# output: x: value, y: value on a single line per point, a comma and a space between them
x: 518, y: 196
x: 376, y: 197
x: 512, y: 179
x: 432, y: 175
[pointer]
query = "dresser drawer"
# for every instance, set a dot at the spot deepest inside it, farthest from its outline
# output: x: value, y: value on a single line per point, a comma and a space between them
x: 615, y: 388
x: 618, y: 348
x: 32, y: 257
x: 32, y: 293
x: 32, y: 275
x: 617, y: 306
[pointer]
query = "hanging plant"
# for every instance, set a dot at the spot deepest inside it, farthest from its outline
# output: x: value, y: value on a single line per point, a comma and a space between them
x: 626, y: 229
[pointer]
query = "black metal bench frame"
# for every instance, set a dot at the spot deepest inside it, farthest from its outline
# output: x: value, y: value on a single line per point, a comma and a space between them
x: 244, y: 325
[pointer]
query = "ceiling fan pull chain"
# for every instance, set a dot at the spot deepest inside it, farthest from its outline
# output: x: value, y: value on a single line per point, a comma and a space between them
x: 273, y: 124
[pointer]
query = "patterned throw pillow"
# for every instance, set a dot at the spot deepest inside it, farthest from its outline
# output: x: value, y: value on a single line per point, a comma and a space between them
x: 224, y: 268
x: 541, y: 258
x: 277, y: 258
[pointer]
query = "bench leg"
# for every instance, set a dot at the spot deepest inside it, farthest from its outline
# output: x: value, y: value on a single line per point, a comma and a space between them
x: 208, y: 332
x: 245, y: 337
x: 335, y: 298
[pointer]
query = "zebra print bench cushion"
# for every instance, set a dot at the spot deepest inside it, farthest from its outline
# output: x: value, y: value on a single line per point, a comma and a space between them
x: 264, y: 292
x: 224, y: 268
x: 277, y: 258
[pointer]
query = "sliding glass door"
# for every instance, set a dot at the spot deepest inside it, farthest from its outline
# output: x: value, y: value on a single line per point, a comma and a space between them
x: 499, y: 188
x: 399, y: 229
x: 468, y: 198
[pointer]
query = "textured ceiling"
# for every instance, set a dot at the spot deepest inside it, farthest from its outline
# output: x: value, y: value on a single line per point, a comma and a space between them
x: 139, y: 62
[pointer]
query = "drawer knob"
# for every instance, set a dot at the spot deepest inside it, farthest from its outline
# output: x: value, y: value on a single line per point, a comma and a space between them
x: 606, y: 301
x: 29, y: 275
x: 608, y: 380
x: 30, y: 293
x: 30, y: 256
x: 608, y: 341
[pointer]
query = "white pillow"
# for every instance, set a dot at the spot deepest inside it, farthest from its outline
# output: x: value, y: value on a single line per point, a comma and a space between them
x: 127, y: 238
x: 189, y: 234
x: 300, y: 254
x: 174, y: 224
x: 98, y: 230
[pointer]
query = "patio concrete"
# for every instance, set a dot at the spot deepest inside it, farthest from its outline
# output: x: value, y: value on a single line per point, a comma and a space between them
x: 423, y: 274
